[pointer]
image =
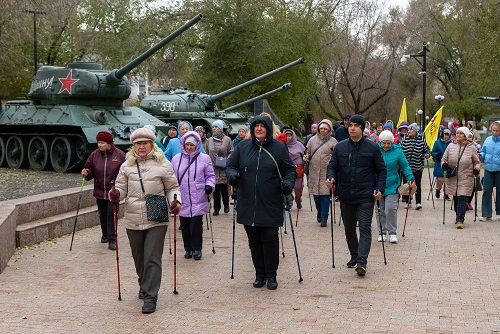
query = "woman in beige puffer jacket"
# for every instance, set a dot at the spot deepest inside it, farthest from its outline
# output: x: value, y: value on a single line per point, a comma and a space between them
x: 146, y: 238
x: 463, y: 155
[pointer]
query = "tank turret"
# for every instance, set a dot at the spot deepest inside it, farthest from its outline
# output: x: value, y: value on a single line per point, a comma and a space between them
x: 171, y: 105
x: 57, y: 128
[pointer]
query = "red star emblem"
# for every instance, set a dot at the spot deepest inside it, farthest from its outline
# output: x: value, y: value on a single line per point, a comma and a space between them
x: 67, y: 82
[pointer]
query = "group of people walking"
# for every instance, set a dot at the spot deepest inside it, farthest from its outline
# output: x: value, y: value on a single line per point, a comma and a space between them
x: 265, y: 168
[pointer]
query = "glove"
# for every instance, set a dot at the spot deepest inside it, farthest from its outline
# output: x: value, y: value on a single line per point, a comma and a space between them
x: 475, y: 172
x: 286, y: 190
x: 175, y: 207
x: 234, y: 180
x: 114, y: 195
x: 439, y: 155
x: 208, y: 190
x: 445, y: 166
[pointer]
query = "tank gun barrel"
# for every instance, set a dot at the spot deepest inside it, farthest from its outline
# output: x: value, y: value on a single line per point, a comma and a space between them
x: 274, y: 91
x: 212, y: 99
x: 115, y: 77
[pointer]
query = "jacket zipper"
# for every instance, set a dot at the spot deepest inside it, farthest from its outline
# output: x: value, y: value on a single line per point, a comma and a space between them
x: 255, y: 185
x: 105, y: 168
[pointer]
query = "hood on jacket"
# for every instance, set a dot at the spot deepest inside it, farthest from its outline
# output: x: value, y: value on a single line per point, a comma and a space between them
x: 267, y: 124
x: 327, y: 122
x: 179, y: 127
x: 198, y: 142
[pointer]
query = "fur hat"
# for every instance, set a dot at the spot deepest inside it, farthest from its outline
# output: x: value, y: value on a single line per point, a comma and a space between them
x: 386, y: 135
x: 465, y: 130
x: 218, y: 123
x: 358, y: 119
x: 142, y: 134
x: 414, y: 127
x: 105, y: 136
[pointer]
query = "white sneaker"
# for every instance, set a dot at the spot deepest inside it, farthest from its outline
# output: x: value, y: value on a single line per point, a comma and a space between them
x: 484, y: 219
x: 418, y: 207
x: 408, y: 205
x: 393, y: 239
x: 498, y: 217
x: 381, y: 237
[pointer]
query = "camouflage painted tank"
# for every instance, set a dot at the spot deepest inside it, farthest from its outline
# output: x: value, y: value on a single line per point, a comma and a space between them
x: 172, y: 105
x: 56, y: 129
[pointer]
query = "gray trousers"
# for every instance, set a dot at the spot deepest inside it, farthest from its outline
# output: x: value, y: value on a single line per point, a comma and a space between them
x: 147, y: 251
x: 388, y: 214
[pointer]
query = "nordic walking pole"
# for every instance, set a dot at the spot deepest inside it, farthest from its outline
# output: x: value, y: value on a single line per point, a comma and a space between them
x: 430, y: 182
x: 206, y: 216
x: 475, y: 197
x: 407, y: 209
x: 432, y: 187
x: 169, y: 242
x: 288, y: 206
x: 211, y: 230
x: 332, y: 212
x: 115, y: 220
x: 444, y: 196
x: 281, y: 234
x: 175, y: 249
x: 380, y: 225
x: 234, y: 196
x: 297, y: 219
x: 77, y: 210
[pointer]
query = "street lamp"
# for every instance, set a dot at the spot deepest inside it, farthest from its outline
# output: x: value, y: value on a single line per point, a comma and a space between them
x: 439, y: 98
x: 35, y: 54
x: 422, y: 54
x: 420, y: 113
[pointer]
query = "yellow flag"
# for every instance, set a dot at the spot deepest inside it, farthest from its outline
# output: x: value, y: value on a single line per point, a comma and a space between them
x: 403, y: 116
x: 432, y: 129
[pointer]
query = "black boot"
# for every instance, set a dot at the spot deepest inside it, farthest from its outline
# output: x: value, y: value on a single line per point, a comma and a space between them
x: 149, y: 306
x: 323, y: 222
x: 188, y: 254
x: 112, y: 245
x: 260, y: 281
x: 438, y: 193
x: 226, y: 208
x: 197, y: 254
x: 216, y: 212
x: 272, y: 284
x: 318, y: 217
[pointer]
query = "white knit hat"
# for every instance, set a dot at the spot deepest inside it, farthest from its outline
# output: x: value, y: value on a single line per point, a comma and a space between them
x: 465, y: 130
x: 190, y: 139
x: 386, y: 135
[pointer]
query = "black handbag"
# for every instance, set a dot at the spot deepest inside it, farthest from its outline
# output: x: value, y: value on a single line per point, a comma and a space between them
x: 156, y: 205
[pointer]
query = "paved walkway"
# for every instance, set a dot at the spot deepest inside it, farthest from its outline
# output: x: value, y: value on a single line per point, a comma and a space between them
x: 437, y: 280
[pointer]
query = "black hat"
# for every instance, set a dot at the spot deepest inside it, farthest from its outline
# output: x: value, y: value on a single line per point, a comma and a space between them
x: 172, y: 126
x: 358, y: 119
x: 348, y: 116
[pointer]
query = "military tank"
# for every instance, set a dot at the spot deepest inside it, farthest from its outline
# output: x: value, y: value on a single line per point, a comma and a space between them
x: 57, y: 127
x: 171, y: 105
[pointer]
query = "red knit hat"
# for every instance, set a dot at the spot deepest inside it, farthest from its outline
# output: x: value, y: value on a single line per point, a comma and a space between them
x: 105, y: 136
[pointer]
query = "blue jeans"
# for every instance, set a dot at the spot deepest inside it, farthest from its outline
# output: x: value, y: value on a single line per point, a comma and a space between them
x: 322, y: 205
x: 362, y: 213
x: 491, y: 179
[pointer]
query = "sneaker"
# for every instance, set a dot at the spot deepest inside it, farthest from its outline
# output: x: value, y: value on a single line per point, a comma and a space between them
x: 381, y: 237
x: 393, y: 239
x: 418, y: 207
x: 438, y: 193
x: 498, y: 217
x: 469, y: 207
x: 408, y: 205
x: 351, y: 263
x: 485, y: 219
x: 446, y: 197
x: 104, y: 239
x: 360, y: 270
x: 112, y: 245
x: 460, y: 226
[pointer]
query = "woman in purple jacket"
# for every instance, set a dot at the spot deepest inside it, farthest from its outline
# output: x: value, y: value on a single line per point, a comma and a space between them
x: 196, y: 178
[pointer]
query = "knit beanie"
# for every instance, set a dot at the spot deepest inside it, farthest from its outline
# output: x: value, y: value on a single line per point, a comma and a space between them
x: 414, y: 127
x: 465, y: 130
x: 386, y: 135
x: 387, y: 125
x: 199, y: 128
x: 447, y: 131
x: 218, y: 123
x: 358, y: 119
x: 403, y: 125
x: 190, y: 139
x: 243, y: 127
x: 105, y: 136
x: 142, y: 134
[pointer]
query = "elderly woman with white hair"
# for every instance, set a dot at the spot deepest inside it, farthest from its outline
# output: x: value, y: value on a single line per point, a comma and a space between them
x: 460, y: 163
x: 146, y: 171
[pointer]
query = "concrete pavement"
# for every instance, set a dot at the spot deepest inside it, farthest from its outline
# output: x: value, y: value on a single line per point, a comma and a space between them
x: 437, y: 280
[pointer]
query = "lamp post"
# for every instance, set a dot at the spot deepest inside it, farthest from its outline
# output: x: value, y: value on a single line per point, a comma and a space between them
x: 422, y: 54
x: 439, y: 98
x: 35, y: 54
x: 420, y: 113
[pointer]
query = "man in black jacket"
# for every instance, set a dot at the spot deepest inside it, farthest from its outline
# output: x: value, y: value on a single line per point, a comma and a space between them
x: 263, y: 172
x: 358, y: 171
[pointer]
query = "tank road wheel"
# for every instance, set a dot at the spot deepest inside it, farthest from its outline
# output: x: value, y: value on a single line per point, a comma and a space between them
x: 2, y: 152
x: 16, y: 151
x: 81, y: 148
x: 38, y: 153
x: 62, y: 154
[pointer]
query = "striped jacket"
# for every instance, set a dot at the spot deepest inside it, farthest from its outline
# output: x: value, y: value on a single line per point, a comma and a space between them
x: 415, y: 148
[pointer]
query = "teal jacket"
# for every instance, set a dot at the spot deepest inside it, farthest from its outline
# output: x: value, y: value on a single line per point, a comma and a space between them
x: 395, y: 160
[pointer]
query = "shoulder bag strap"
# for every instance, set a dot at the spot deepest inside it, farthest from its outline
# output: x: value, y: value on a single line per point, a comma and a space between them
x: 317, y: 148
x: 279, y: 173
x: 140, y: 177
x: 189, y: 165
